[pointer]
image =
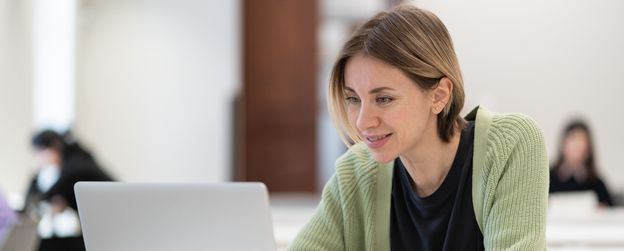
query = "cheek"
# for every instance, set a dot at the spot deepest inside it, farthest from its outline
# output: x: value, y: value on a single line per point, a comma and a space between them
x: 409, y: 118
x: 573, y: 149
x: 39, y: 160
x: 568, y: 147
x: 352, y: 116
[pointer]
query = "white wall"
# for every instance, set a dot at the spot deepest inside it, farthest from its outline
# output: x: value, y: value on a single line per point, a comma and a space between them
x: 15, y: 95
x: 548, y: 59
x: 155, y: 86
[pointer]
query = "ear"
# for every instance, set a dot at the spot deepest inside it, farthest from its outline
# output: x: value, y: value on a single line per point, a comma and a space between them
x: 441, y: 94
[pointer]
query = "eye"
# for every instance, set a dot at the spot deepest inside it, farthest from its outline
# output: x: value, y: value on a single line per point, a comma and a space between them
x: 383, y: 100
x: 351, y: 100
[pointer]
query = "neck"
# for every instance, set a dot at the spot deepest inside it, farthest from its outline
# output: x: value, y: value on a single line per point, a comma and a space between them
x: 429, y: 163
x: 572, y: 169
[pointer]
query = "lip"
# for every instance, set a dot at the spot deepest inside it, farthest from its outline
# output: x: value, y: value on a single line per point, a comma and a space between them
x: 377, y: 141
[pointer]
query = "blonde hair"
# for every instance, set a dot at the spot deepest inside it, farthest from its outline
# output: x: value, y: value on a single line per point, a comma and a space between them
x: 416, y: 42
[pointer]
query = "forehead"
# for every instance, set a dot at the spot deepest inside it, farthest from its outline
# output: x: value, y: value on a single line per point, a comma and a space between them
x: 365, y: 72
x: 577, y: 133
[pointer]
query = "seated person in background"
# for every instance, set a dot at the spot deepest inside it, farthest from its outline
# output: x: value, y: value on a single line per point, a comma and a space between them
x: 7, y: 217
x: 61, y: 163
x: 575, y: 169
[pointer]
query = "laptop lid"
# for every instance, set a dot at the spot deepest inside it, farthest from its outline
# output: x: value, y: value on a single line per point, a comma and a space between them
x: 573, y: 205
x: 168, y: 216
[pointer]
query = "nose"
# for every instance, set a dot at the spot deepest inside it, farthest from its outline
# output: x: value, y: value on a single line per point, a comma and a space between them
x: 367, y: 118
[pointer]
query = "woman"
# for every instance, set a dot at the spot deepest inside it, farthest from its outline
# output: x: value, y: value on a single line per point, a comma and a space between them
x: 417, y: 175
x: 575, y: 169
x: 51, y: 197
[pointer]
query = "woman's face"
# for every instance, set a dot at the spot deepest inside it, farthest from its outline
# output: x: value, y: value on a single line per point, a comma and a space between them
x: 391, y: 113
x: 47, y: 156
x: 576, y: 147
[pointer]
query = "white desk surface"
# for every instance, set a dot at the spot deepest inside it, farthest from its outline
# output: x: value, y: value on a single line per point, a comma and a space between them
x: 599, y: 228
x: 587, y: 230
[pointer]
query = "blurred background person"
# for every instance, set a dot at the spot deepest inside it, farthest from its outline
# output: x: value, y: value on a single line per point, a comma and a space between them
x: 61, y: 162
x: 575, y: 168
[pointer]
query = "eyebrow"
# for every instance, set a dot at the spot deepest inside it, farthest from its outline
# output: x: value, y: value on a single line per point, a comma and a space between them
x: 373, y: 91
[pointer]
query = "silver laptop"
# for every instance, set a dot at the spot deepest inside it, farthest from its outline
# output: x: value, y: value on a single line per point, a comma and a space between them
x: 573, y: 205
x: 168, y: 216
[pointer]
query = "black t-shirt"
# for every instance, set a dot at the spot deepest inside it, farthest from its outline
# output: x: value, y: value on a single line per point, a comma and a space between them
x: 444, y: 220
x: 571, y: 184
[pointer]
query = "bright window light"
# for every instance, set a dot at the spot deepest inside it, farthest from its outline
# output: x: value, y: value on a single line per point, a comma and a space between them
x: 54, y: 32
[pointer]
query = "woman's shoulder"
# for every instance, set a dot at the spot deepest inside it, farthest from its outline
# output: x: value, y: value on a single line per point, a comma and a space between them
x: 512, y: 134
x: 510, y: 129
x: 516, y: 122
x: 495, y: 131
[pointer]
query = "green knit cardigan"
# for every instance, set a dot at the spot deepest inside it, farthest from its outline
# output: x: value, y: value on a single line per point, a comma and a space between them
x: 509, y: 192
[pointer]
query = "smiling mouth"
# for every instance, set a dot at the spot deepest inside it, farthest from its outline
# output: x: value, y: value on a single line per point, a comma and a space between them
x: 373, y: 139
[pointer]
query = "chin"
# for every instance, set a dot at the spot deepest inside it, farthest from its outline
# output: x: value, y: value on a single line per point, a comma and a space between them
x: 383, y: 157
